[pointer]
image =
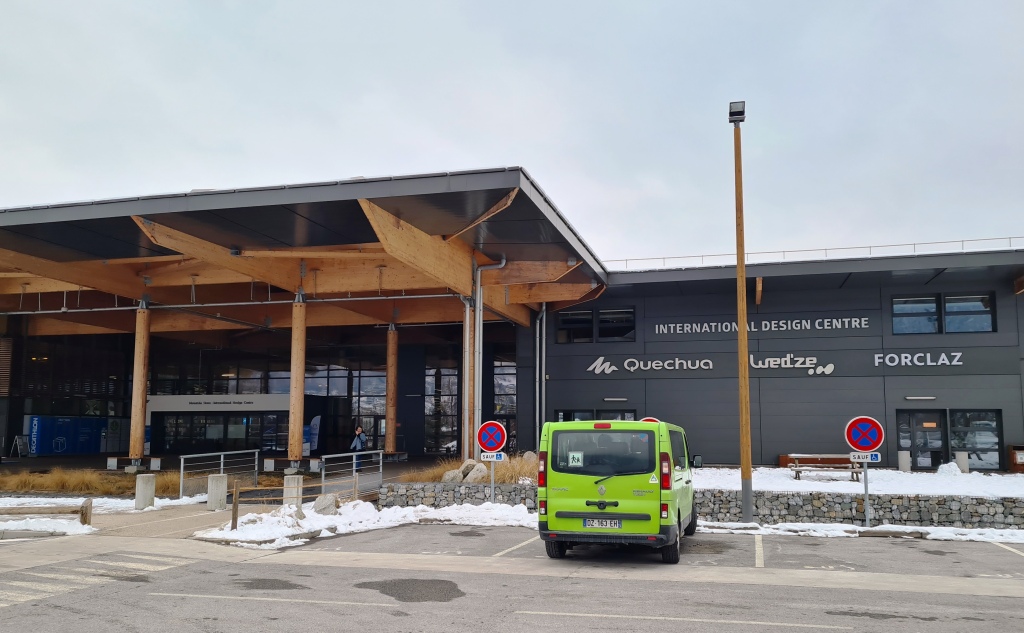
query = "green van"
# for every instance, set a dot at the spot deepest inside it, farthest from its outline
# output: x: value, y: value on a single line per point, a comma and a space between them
x: 611, y: 481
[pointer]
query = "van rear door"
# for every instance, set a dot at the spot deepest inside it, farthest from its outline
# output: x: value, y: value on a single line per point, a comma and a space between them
x: 604, y: 479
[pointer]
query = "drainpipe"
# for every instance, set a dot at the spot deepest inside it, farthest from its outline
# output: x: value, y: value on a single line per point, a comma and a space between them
x: 466, y: 440
x: 478, y: 347
x: 543, y: 364
x: 538, y: 373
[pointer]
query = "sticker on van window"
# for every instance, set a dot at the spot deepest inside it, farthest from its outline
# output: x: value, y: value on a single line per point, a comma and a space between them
x: 576, y: 459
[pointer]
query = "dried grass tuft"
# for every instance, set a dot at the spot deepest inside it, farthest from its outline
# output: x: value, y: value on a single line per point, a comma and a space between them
x: 511, y: 472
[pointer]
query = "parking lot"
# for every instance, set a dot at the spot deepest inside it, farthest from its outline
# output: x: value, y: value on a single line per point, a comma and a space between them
x: 873, y: 555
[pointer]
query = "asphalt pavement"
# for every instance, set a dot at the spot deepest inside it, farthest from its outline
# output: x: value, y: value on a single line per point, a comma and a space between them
x: 444, y: 578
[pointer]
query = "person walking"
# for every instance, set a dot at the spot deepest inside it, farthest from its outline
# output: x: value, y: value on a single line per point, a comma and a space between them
x: 358, y: 445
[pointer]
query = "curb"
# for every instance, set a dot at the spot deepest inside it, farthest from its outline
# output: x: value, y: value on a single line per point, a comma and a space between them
x: 228, y: 541
x: 13, y: 534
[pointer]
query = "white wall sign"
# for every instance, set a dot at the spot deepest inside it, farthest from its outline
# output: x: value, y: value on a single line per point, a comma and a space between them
x: 765, y: 325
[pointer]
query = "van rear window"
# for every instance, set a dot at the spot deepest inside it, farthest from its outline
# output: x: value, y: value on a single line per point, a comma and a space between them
x: 603, y: 452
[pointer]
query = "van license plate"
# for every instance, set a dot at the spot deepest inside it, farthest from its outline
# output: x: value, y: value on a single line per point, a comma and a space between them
x: 602, y: 523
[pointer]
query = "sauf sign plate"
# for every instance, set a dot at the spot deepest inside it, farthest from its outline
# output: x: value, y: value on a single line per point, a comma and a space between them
x: 872, y: 458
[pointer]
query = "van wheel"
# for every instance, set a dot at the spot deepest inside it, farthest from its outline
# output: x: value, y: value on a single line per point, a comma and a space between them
x: 670, y: 552
x: 555, y: 549
x: 691, y: 527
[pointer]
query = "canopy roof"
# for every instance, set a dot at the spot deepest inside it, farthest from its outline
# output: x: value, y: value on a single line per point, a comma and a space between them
x: 371, y: 241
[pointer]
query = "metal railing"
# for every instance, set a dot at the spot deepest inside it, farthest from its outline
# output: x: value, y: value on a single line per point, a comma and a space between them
x: 241, y: 465
x: 343, y: 472
x: 813, y: 254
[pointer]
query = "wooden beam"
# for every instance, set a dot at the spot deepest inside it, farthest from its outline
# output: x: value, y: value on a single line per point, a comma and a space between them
x: 111, y: 279
x: 526, y: 273
x: 270, y: 271
x: 33, y: 284
x: 536, y: 293
x: 48, y: 326
x: 319, y: 252
x: 757, y: 292
x: 496, y: 298
x: 366, y: 274
x: 590, y: 296
x: 450, y: 263
x: 498, y: 207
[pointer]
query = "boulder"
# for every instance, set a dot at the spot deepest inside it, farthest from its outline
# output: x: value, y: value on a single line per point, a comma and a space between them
x: 326, y: 504
x: 452, y: 477
x: 480, y: 474
x: 467, y: 466
x: 530, y: 456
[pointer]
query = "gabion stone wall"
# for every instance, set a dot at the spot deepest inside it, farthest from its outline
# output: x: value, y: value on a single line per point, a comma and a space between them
x: 441, y: 495
x: 723, y: 506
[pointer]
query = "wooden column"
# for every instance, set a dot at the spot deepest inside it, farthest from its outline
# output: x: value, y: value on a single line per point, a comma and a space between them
x: 297, y: 388
x: 140, y: 374
x: 391, y: 405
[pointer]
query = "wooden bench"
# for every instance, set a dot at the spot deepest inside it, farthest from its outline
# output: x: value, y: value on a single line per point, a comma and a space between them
x: 822, y: 462
x: 83, y: 511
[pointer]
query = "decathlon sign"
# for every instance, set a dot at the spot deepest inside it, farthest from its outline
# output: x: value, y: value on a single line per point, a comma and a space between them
x: 601, y: 366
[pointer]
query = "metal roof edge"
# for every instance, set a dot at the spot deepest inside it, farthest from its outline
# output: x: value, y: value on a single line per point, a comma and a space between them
x: 1006, y: 257
x: 551, y: 212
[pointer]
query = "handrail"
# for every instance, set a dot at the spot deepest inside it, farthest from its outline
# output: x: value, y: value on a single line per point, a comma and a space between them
x: 218, y: 465
x: 915, y: 248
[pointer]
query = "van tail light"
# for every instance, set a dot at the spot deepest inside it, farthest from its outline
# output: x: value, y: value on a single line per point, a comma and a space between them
x: 666, y: 472
x: 543, y: 509
x: 542, y: 469
x: 602, y: 425
x: 664, y: 511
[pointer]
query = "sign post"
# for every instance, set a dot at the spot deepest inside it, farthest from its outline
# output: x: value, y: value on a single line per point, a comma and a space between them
x: 865, y: 435
x: 491, y: 438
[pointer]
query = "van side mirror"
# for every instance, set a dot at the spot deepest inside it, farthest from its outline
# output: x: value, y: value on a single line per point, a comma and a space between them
x: 697, y: 461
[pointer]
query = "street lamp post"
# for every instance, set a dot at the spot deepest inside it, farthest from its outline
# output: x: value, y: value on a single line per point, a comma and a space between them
x: 737, y: 114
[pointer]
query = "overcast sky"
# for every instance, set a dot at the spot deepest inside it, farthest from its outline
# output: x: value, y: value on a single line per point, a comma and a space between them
x: 868, y: 122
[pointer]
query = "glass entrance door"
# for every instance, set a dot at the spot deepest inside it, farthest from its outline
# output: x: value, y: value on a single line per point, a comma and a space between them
x: 373, y: 426
x: 924, y: 434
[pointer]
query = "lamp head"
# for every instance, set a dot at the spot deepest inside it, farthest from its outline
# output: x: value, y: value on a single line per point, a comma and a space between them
x: 737, y: 111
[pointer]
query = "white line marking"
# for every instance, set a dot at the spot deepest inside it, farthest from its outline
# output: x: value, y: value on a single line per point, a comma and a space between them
x: 1012, y: 549
x: 109, y: 573
x: 136, y: 566
x: 14, y: 596
x: 85, y: 580
x: 515, y: 547
x: 160, y: 559
x: 758, y: 551
x: 671, y: 619
x: 39, y: 586
x: 196, y: 595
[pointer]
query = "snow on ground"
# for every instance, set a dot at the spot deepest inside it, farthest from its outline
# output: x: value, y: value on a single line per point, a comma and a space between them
x: 100, y: 505
x: 948, y: 481
x: 832, y: 530
x: 358, y: 516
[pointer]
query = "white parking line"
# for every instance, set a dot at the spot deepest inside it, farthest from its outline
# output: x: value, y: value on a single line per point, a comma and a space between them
x: 83, y: 580
x: 135, y: 566
x: 792, y: 625
x: 1012, y: 549
x: 515, y: 547
x: 758, y: 551
x: 160, y: 559
x: 15, y: 596
x: 39, y: 586
x: 257, y: 599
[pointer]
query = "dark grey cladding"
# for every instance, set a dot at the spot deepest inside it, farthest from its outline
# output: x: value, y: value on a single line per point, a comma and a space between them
x: 822, y: 351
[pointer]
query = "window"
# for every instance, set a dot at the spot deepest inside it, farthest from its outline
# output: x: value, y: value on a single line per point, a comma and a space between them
x: 979, y: 434
x: 616, y: 325
x: 576, y: 326
x: 602, y: 452
x: 915, y: 315
x: 934, y: 314
x: 968, y: 313
x: 611, y: 325
x: 678, y: 448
